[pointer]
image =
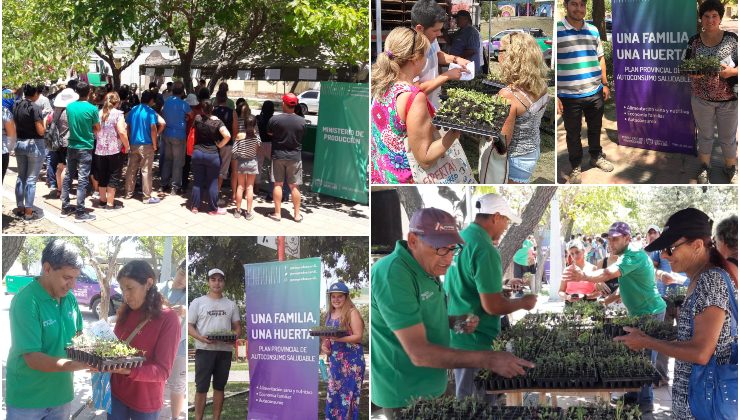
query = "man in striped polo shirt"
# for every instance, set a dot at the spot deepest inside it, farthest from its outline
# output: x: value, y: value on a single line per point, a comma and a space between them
x: 582, y: 86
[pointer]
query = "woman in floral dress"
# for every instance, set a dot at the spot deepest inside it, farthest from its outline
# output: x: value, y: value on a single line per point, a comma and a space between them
x: 346, y: 359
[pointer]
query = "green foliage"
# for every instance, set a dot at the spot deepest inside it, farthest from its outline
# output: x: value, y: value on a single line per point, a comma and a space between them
x: 609, y: 61
x: 35, y: 49
x: 705, y: 65
x: 31, y: 252
x: 594, y: 209
x: 474, y: 109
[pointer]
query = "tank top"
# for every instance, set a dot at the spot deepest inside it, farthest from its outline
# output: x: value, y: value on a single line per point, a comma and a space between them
x: 389, y: 138
x: 526, y: 136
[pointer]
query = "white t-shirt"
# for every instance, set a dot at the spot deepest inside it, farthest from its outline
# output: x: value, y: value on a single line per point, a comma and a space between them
x: 210, y: 314
x: 431, y: 71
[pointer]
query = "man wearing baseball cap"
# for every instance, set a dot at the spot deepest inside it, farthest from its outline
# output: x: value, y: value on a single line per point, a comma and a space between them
x: 206, y: 314
x: 410, y: 327
x: 56, y: 160
x: 286, y: 131
x: 467, y: 40
x: 474, y: 285
x: 636, y: 288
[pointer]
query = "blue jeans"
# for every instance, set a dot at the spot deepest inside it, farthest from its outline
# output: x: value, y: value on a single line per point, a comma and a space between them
x: 51, y: 175
x: 119, y: 411
x: 174, y: 160
x: 79, y: 162
x: 645, y: 396
x: 205, y: 168
x: 60, y: 412
x: 29, y: 155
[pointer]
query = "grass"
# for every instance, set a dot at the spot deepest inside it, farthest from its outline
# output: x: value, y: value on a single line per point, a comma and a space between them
x: 236, y: 407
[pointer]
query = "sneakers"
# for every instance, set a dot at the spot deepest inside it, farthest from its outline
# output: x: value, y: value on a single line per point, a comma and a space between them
x: 152, y: 200
x: 66, y: 211
x: 237, y: 213
x: 115, y: 206
x: 248, y: 215
x: 602, y: 163
x: 84, y: 217
x: 629, y: 398
x: 575, y: 176
x: 33, y: 217
x: 164, y: 190
x: 731, y: 173
x: 703, y: 176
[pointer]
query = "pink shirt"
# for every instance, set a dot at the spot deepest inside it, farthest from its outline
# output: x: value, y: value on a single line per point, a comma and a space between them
x: 582, y: 287
x: 143, y: 389
x: 108, y: 142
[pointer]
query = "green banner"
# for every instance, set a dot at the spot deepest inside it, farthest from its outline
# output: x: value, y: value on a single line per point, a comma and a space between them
x: 340, y: 163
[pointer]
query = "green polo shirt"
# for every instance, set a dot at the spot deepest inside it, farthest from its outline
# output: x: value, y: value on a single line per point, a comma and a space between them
x: 475, y: 270
x: 38, y: 323
x: 81, y: 117
x: 404, y: 295
x: 521, y: 256
x: 637, y: 283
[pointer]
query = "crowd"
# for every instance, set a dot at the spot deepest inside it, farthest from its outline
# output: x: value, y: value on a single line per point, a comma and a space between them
x: 106, y: 141
x: 422, y: 326
x: 42, y: 385
x: 215, y: 312
x: 406, y: 87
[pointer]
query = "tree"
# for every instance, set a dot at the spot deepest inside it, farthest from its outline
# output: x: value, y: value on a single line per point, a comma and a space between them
x: 599, y: 13
x: 109, y: 252
x: 593, y: 209
x: 135, y: 21
x: 153, y: 246
x: 531, y: 216
x: 31, y: 252
x: 35, y: 46
x: 12, y: 246
x: 410, y: 200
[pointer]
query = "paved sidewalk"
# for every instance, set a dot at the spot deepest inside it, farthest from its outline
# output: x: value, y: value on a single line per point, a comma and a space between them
x: 171, y: 217
x: 633, y: 165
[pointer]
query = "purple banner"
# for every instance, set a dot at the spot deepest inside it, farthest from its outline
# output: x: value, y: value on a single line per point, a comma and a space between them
x: 282, y: 300
x: 653, y: 99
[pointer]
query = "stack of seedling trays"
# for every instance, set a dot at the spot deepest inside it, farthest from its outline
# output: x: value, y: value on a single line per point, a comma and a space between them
x: 479, y: 84
x: 450, y: 408
x: 473, y: 112
x: 225, y: 336
x: 324, y: 331
x: 700, y: 66
x: 107, y: 355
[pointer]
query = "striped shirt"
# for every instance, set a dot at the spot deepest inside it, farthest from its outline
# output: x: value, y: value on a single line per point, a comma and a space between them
x: 246, y: 148
x: 579, y: 71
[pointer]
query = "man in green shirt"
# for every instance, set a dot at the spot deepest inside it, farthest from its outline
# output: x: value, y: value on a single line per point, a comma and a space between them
x: 84, y: 122
x: 521, y: 258
x: 636, y: 288
x: 410, y: 328
x: 44, y: 317
x: 474, y: 285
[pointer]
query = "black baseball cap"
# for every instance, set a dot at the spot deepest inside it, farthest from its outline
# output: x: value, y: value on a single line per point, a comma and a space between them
x: 690, y: 223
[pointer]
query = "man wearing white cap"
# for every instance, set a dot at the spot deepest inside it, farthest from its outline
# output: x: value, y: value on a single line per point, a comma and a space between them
x: 58, y: 158
x: 474, y: 285
x: 210, y: 313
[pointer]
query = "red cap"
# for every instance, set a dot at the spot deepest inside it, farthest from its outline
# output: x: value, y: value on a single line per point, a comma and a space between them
x: 290, y: 99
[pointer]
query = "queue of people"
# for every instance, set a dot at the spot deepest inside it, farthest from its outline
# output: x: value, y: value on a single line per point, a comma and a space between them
x: 106, y: 141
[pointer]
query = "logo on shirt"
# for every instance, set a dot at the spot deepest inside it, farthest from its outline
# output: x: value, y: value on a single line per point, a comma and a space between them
x: 49, y: 323
x: 216, y: 312
x: 426, y: 295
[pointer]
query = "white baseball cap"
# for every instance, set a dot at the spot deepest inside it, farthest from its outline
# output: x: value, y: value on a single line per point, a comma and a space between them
x: 216, y: 271
x: 494, y: 203
x: 192, y: 100
x: 65, y: 97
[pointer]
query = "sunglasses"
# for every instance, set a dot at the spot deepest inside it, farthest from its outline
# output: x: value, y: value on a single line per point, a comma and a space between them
x: 669, y: 250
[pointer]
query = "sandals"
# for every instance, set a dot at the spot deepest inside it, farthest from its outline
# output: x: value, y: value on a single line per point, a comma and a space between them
x: 273, y: 217
x: 298, y: 219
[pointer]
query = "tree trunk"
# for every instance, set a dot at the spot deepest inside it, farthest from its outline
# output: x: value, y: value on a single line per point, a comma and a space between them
x: 116, y: 77
x: 599, y: 12
x: 183, y: 71
x: 12, y: 246
x: 530, y: 218
x: 410, y: 199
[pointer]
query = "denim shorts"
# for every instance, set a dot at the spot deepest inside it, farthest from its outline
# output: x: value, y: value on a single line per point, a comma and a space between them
x: 247, y: 166
x: 521, y: 167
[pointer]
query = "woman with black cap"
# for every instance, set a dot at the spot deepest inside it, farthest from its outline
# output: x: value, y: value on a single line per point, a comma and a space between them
x: 346, y: 359
x: 705, y: 322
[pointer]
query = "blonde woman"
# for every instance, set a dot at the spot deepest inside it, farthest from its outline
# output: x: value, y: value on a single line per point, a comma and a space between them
x: 111, y: 141
x: 346, y: 359
x: 523, y: 70
x: 401, y: 113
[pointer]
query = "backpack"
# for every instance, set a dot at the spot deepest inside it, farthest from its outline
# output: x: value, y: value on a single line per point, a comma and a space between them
x: 53, y: 138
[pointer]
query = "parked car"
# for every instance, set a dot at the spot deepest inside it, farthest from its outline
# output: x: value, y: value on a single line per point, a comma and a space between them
x: 87, y: 290
x: 309, y: 101
x: 544, y: 41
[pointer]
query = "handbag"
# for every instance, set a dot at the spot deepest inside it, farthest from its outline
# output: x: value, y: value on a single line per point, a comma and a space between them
x: 713, y: 387
x: 493, y: 168
x: 450, y: 168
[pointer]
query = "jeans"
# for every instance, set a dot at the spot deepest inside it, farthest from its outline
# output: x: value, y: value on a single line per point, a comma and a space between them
x: 51, y: 170
x: 29, y: 155
x: 174, y: 160
x: 141, y: 156
x: 60, y: 412
x: 78, y: 162
x: 205, y: 168
x: 119, y: 411
x: 573, y: 110
x: 645, y: 396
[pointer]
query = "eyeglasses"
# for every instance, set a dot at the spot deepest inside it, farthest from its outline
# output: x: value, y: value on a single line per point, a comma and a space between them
x: 455, y: 249
x: 670, y: 249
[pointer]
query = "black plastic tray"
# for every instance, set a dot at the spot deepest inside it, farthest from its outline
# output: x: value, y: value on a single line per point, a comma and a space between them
x: 631, y: 382
x: 338, y: 333
x: 494, y: 83
x: 454, y: 126
x: 103, y: 364
x: 226, y: 338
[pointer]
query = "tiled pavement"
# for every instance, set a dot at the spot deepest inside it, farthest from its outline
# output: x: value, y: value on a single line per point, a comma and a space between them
x: 171, y: 217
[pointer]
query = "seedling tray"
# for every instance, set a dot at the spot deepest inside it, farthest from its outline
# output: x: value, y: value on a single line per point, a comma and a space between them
x: 472, y: 130
x: 328, y: 333
x: 631, y: 382
x: 589, y: 413
x: 227, y: 338
x: 494, y: 83
x: 103, y: 364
